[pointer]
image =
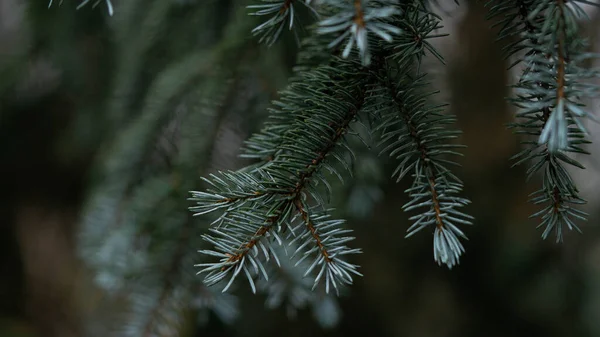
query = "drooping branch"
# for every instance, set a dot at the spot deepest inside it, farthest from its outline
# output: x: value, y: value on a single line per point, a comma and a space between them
x: 433, y: 185
x: 417, y: 133
x: 547, y: 96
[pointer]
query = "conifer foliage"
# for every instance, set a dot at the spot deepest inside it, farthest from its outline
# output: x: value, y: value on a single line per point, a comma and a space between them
x: 372, y: 72
x: 549, y: 97
x: 390, y: 38
x: 360, y: 67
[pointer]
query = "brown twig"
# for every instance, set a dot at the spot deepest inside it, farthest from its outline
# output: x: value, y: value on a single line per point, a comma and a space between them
x: 560, y: 93
x: 246, y: 197
x: 359, y: 16
x: 312, y: 229
x: 286, y: 5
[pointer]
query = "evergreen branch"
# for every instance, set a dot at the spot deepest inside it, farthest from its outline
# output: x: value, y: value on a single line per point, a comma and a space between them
x: 559, y: 190
x: 282, y: 184
x: 416, y: 134
x: 548, y: 96
x: 207, y: 199
x: 295, y: 104
x: 418, y: 138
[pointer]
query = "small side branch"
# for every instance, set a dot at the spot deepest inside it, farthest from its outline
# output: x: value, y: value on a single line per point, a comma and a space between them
x: 418, y: 138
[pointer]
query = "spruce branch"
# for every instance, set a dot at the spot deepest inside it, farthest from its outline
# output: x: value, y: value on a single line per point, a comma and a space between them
x: 273, y: 196
x: 400, y: 111
x: 548, y: 96
x: 416, y: 134
x: 417, y: 137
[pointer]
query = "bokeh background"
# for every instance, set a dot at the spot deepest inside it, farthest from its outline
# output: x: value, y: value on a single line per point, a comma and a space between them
x: 106, y: 122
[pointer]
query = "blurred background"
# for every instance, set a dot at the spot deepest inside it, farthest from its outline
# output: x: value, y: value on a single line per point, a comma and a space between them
x: 106, y: 123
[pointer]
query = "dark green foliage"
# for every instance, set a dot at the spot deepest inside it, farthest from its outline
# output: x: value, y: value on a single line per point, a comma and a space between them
x: 550, y: 97
x: 359, y: 74
x: 416, y: 135
x: 281, y: 200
